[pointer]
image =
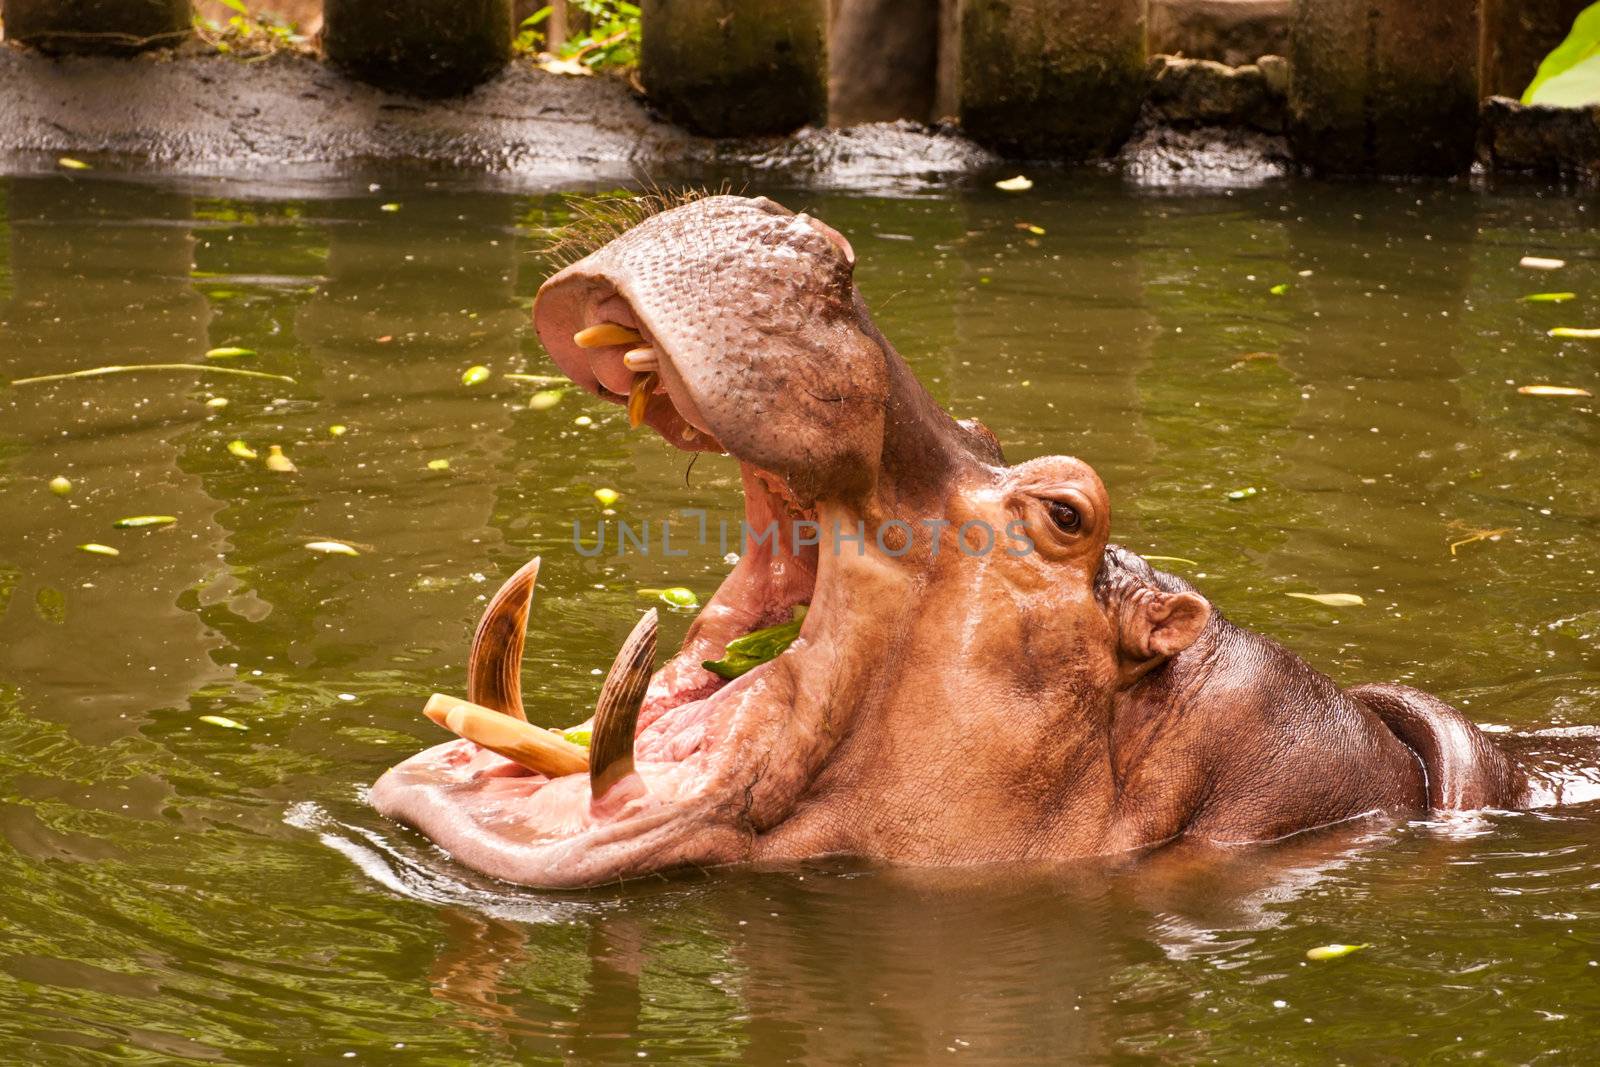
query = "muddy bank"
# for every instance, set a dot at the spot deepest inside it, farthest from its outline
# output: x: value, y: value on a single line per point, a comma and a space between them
x: 291, y: 116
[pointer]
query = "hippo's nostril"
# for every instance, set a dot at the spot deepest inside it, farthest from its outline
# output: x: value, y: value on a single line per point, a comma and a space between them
x: 606, y: 334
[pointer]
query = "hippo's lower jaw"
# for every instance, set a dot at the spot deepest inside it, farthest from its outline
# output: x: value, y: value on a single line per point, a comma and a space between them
x: 702, y: 741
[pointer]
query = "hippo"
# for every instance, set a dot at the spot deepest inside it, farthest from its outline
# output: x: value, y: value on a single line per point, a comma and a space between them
x: 980, y: 675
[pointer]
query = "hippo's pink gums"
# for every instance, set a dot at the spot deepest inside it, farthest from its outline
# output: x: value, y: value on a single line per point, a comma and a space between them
x: 942, y: 705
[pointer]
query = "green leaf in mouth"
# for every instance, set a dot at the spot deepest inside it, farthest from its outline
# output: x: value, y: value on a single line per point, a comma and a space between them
x: 745, y: 654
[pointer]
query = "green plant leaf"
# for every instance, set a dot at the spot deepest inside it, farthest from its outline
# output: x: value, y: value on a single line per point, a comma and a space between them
x: 677, y: 596
x: 745, y: 654
x: 1577, y: 87
x: 332, y: 548
x: 1331, y: 600
x: 1333, y: 952
x: 1580, y: 49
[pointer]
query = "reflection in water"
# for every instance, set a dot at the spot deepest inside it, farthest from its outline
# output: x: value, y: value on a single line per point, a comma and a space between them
x: 1014, y: 962
x: 182, y: 893
x: 102, y: 277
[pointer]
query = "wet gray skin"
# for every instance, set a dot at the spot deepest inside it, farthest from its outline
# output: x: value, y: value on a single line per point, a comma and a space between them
x: 187, y: 893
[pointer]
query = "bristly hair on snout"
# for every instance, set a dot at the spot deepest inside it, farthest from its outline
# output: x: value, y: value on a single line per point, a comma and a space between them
x: 599, y: 219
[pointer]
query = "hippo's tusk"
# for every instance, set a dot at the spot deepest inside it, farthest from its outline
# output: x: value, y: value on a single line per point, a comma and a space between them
x: 641, y: 360
x: 616, y: 713
x: 605, y: 334
x: 494, y: 667
x: 639, y: 398
x: 523, y: 743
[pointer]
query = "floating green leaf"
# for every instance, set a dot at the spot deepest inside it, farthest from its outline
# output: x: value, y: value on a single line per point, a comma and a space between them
x: 139, y: 522
x: 229, y: 352
x: 1019, y: 184
x: 1570, y: 75
x: 545, y: 399
x: 391, y: 208
x: 68, y: 163
x: 607, y: 497
x: 1243, y: 494
x: 1331, y: 600
x: 677, y: 596
x: 332, y: 548
x: 338, y: 429
x: 1279, y: 289
x: 536, y: 379
x: 1553, y: 390
x: 277, y: 461
x: 99, y: 550
x: 1550, y: 298
x: 1171, y: 559
x: 223, y: 721
x: 1541, y: 263
x: 438, y: 464
x: 61, y: 486
x: 242, y: 450
x: 744, y: 654
x: 1578, y: 333
x: 475, y: 375
x: 217, y: 403
x: 1333, y: 952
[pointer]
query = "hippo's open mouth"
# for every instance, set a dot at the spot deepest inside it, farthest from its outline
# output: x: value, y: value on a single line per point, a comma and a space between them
x: 687, y: 790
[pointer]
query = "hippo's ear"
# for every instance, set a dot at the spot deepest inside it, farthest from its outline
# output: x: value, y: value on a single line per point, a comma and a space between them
x: 1163, y: 624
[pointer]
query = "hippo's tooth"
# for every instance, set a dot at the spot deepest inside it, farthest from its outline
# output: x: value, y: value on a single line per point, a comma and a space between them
x: 616, y: 713
x: 639, y: 397
x: 523, y: 743
x: 604, y: 334
x: 494, y: 667
x: 641, y: 360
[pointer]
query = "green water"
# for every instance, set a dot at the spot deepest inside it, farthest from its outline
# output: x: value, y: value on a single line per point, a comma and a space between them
x: 179, y: 892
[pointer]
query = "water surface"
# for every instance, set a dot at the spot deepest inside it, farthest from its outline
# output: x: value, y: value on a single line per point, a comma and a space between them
x: 181, y: 892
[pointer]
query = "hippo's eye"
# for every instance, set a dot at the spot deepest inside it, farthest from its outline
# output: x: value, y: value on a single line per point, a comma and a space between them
x: 1065, y: 516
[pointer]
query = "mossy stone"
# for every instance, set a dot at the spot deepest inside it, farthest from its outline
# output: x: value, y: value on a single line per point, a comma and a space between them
x: 1048, y: 80
x: 736, y: 68
x: 429, y: 48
